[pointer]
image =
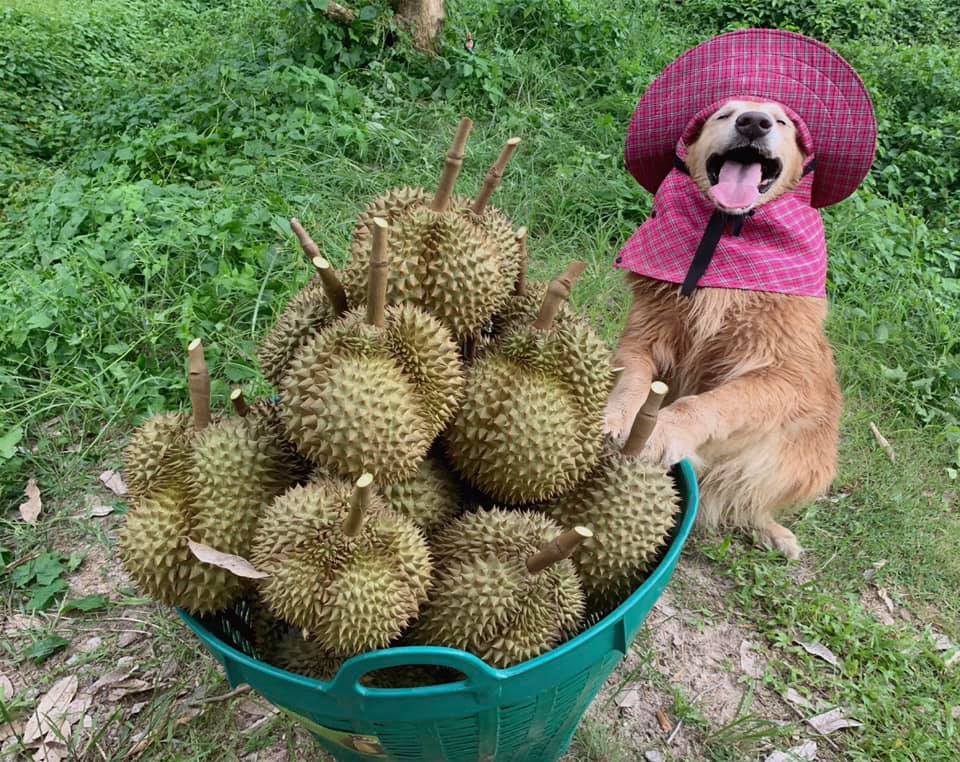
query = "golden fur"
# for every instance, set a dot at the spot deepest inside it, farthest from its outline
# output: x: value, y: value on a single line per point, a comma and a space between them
x: 754, y: 399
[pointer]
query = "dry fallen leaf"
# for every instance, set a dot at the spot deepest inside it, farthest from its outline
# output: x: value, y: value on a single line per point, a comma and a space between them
x: 6, y: 687
x: 30, y: 509
x: 807, y: 751
x: 128, y: 638
x: 941, y: 642
x: 653, y: 756
x: 255, y: 708
x: 135, y: 709
x: 112, y: 678
x: 821, y: 651
x: 749, y: 662
x: 885, y: 598
x: 795, y: 697
x: 114, y: 482
x: 234, y: 564
x: 50, y: 751
x: 874, y: 568
x: 98, y: 511
x: 51, y: 709
x: 125, y: 688
x: 835, y: 719
x: 629, y: 698
x: 954, y: 659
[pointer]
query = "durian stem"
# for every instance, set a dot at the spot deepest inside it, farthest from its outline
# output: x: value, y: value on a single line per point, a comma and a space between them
x: 198, y: 381
x: 240, y: 405
x: 358, y: 506
x: 377, y: 284
x: 557, y: 549
x: 451, y: 168
x: 557, y: 293
x: 328, y: 278
x: 520, y: 289
x: 307, y: 244
x: 331, y: 286
x: 494, y: 176
x: 645, y: 420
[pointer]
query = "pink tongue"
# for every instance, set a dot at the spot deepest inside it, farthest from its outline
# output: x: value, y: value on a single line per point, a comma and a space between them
x: 738, y: 185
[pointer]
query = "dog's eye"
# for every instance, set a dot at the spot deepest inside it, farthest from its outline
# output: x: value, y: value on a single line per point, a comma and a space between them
x: 780, y: 121
x: 724, y: 116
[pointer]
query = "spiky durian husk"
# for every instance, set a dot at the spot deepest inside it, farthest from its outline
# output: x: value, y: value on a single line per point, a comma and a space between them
x: 523, y: 309
x: 447, y: 263
x: 234, y: 472
x: 306, y: 312
x: 430, y: 499
x: 516, y: 435
x: 497, y: 226
x: 305, y: 657
x: 155, y: 457
x: 393, y: 204
x: 530, y: 426
x: 360, y: 398
x: 630, y: 506
x: 350, y: 594
x: 266, y: 630
x: 154, y: 552
x: 485, y: 600
x: 265, y: 416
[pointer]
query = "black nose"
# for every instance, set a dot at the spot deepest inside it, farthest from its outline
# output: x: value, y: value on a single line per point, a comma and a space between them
x: 754, y: 124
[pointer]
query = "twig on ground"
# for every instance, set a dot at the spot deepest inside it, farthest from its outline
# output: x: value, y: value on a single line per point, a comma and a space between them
x: 883, y: 442
x: 674, y: 733
x: 251, y: 729
x: 238, y: 691
x: 20, y: 562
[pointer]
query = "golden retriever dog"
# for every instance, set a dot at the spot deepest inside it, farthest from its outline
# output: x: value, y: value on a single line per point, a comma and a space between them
x: 754, y: 400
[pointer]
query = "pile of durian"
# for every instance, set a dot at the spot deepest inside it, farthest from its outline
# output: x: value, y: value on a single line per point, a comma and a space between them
x: 431, y: 469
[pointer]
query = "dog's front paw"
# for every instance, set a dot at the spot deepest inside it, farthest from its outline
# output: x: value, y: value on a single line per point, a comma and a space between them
x: 615, y: 421
x: 671, y: 441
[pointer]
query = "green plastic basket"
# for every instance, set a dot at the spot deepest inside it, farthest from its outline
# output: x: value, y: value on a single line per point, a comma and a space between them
x: 527, y: 713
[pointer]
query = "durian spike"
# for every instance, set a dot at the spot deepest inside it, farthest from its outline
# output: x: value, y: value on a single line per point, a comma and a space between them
x: 494, y: 176
x: 358, y: 505
x: 331, y: 286
x: 451, y: 167
x: 520, y: 289
x: 328, y: 278
x: 377, y: 285
x: 198, y: 381
x: 240, y: 405
x: 645, y: 420
x: 557, y: 293
x: 557, y: 549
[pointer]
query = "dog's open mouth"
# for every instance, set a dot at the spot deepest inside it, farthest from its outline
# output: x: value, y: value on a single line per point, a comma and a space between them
x: 739, y: 176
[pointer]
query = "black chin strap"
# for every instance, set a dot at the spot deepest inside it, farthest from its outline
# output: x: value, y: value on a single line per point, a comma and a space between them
x: 712, y: 234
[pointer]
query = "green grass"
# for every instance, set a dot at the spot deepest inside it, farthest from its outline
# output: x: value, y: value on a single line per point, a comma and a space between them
x: 151, y: 153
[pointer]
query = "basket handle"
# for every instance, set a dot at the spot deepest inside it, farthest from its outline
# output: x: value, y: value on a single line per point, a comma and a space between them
x: 483, y: 679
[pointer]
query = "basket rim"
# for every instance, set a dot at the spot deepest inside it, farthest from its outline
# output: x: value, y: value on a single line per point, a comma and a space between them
x: 427, y: 654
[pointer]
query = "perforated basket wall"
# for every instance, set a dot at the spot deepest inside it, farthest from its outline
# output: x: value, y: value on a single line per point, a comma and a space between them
x: 527, y: 713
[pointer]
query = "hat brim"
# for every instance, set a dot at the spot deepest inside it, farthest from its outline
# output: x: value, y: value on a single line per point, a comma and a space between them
x: 767, y: 64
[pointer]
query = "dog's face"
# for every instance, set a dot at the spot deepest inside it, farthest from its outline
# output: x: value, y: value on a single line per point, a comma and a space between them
x: 746, y: 155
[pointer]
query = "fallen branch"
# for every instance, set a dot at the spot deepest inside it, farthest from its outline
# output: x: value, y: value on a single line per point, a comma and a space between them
x: 882, y: 441
x: 238, y: 691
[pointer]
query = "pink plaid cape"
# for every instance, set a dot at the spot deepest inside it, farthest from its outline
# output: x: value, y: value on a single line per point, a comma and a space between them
x: 780, y: 247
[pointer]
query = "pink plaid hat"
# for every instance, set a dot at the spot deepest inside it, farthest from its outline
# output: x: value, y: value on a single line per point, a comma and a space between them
x: 765, y: 64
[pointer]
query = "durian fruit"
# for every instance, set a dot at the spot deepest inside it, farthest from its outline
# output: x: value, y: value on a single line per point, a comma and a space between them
x: 154, y: 552
x: 267, y: 631
x: 344, y: 568
x: 454, y: 258
x: 430, y: 499
x: 630, y: 504
x: 224, y: 475
x: 504, y: 589
x: 154, y: 458
x: 320, y: 302
x: 305, y: 657
x: 265, y: 417
x: 372, y: 391
x: 530, y: 426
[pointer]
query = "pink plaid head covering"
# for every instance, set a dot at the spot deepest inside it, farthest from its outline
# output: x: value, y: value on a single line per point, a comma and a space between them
x: 780, y: 247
